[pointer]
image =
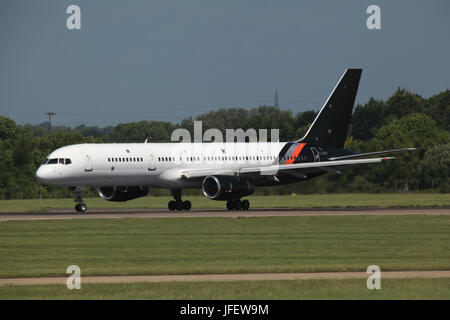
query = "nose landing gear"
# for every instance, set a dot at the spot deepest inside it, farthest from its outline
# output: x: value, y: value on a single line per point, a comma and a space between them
x: 178, y: 204
x: 80, y: 206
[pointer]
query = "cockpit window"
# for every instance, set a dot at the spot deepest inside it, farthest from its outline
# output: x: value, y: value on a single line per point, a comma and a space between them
x: 64, y: 161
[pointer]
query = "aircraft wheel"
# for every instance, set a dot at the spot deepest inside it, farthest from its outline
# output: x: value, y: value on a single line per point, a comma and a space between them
x: 179, y: 205
x: 187, y: 205
x: 81, y: 207
x: 230, y: 205
x: 245, y: 205
x: 172, y: 205
x: 238, y: 204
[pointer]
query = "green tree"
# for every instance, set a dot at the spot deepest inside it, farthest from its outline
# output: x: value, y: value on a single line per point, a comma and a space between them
x: 404, y: 102
x: 436, y: 165
x: 367, y: 119
x: 439, y: 109
x: 155, y: 131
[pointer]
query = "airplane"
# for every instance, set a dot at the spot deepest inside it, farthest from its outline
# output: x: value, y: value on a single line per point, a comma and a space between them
x: 225, y: 171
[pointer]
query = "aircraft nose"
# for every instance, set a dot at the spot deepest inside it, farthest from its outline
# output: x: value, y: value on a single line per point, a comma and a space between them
x: 42, y: 175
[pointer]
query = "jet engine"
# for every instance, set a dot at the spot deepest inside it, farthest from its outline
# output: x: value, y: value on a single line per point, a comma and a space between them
x: 221, y: 187
x: 119, y: 194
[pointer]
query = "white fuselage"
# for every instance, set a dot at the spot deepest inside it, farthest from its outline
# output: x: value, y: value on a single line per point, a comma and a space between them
x: 151, y: 164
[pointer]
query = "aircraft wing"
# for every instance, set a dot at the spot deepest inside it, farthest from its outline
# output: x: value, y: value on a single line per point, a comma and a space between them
x: 274, y: 169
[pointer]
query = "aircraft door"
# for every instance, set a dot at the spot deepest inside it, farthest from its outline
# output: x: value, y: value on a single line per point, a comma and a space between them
x: 151, y: 165
x: 87, y: 162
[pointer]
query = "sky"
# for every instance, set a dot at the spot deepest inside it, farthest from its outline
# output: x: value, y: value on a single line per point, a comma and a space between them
x: 166, y: 60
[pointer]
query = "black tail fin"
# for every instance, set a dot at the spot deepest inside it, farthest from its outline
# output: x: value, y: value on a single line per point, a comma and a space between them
x: 329, y: 129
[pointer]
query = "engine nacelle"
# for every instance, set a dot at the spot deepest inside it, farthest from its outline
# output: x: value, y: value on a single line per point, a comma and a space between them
x: 227, y: 187
x: 119, y: 194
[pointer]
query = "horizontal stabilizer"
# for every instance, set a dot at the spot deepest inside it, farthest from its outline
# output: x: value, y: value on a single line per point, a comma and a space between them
x: 369, y: 154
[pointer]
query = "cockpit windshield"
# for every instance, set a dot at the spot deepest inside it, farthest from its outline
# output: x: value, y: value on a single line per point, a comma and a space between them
x: 64, y: 161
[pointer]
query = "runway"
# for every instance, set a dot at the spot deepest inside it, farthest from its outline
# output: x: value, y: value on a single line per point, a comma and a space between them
x: 227, y: 277
x: 59, y: 214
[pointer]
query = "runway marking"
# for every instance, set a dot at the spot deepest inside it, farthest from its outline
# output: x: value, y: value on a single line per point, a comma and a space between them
x: 218, y: 213
x: 227, y: 277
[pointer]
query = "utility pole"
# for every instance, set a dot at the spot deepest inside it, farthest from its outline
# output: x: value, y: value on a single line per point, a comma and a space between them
x: 50, y: 114
x: 276, y: 102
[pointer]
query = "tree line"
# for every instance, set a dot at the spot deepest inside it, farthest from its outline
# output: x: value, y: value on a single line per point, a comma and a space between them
x: 404, y: 120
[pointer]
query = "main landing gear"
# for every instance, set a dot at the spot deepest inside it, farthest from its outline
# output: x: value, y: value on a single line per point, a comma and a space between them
x: 178, y: 204
x: 237, y: 204
x: 80, y: 206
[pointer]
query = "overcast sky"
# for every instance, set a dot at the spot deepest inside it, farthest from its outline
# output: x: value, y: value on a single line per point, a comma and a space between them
x: 168, y: 60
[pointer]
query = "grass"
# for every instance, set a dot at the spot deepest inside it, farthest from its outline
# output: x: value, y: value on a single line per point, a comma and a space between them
x: 298, y: 201
x: 248, y: 290
x: 224, y: 245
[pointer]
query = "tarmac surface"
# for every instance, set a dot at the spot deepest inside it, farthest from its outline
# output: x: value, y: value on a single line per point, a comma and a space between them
x: 227, y: 277
x: 209, y: 213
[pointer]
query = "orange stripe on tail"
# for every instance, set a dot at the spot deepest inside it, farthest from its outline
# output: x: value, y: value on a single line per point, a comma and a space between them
x: 295, y: 153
